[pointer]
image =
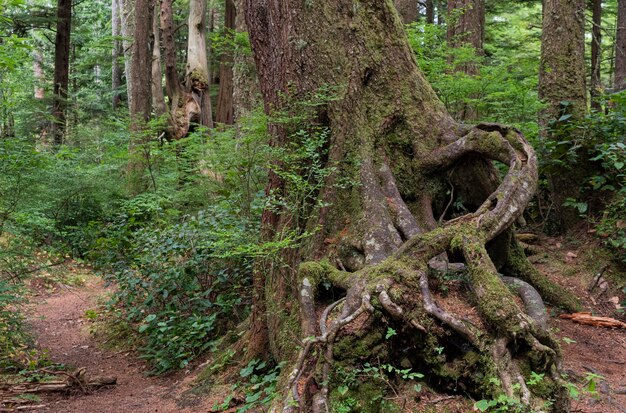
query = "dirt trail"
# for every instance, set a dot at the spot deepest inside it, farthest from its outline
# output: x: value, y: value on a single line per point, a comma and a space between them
x: 60, y: 329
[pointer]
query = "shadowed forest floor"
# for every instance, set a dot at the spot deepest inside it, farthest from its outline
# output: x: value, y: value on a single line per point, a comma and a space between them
x: 61, y: 327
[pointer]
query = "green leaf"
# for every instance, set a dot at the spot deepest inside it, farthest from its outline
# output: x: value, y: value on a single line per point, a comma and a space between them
x: 482, y: 405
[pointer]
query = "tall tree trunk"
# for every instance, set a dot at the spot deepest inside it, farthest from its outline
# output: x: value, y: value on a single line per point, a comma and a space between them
x: 407, y: 10
x: 117, y: 53
x: 596, y: 55
x: 198, y: 105
x: 562, y: 87
x: 225, y: 96
x: 386, y: 145
x: 128, y: 43
x: 61, y: 69
x: 158, y: 99
x: 430, y: 11
x: 38, y: 74
x: 140, y: 95
x: 620, y: 47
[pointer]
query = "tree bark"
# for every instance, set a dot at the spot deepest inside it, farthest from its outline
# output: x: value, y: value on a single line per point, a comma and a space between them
x: 388, y: 145
x: 430, y: 11
x: 225, y: 96
x: 158, y: 99
x: 198, y: 105
x: 596, y: 55
x: 620, y: 47
x: 39, y: 74
x: 128, y: 29
x: 562, y: 88
x: 61, y: 69
x: 407, y: 10
x: 140, y: 94
x: 117, y: 53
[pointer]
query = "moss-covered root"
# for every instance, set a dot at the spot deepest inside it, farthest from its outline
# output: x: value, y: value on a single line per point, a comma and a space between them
x: 518, y: 266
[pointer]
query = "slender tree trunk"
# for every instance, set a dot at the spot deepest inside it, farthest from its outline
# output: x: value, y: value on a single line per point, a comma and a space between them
x: 39, y: 74
x: 158, y: 99
x: 596, y: 55
x: 225, y: 96
x: 562, y: 87
x: 128, y: 43
x: 407, y: 9
x: 386, y: 145
x: 117, y: 53
x: 620, y: 47
x: 172, y: 82
x: 197, y: 77
x: 430, y: 11
x: 140, y: 95
x: 61, y: 69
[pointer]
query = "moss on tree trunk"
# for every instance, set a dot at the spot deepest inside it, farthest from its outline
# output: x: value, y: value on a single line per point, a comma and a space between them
x: 390, y: 147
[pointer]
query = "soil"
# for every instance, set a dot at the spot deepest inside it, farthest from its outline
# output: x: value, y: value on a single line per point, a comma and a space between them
x: 62, y: 330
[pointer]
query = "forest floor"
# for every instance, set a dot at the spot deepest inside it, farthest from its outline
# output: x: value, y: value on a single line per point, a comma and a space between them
x: 60, y: 320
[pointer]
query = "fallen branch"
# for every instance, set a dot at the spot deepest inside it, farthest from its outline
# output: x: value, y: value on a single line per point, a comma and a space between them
x: 74, y: 381
x: 588, y: 319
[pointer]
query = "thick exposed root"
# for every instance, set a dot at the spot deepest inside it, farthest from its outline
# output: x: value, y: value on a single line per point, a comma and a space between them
x: 395, y: 274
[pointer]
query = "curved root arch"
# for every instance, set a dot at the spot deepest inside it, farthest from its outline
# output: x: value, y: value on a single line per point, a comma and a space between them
x: 402, y: 268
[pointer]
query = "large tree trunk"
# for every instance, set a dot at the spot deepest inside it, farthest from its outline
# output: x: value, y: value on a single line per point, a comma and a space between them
x: 225, y: 96
x: 596, y: 55
x: 61, y: 69
x: 158, y: 99
x: 620, y: 47
x: 127, y: 11
x: 562, y: 87
x: 140, y: 95
x: 388, y: 147
x: 117, y: 53
x: 198, y: 105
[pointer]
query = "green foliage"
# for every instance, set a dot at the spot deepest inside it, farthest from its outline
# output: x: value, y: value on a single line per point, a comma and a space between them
x: 258, y: 383
x: 184, y: 284
x: 503, y: 89
x: 13, y: 337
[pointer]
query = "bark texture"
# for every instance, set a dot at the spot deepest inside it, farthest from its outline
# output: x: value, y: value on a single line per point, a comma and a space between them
x: 158, y: 99
x: 117, y: 52
x: 198, y: 104
x: 408, y: 10
x: 140, y: 94
x: 225, y: 96
x: 596, y: 55
x: 390, y: 144
x: 61, y: 69
x: 562, y: 87
x: 620, y: 47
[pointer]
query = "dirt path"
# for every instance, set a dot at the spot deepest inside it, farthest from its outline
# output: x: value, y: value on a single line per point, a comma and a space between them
x: 60, y: 328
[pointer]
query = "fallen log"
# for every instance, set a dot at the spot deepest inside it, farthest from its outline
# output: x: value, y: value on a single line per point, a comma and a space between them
x: 73, y: 381
x: 588, y: 319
